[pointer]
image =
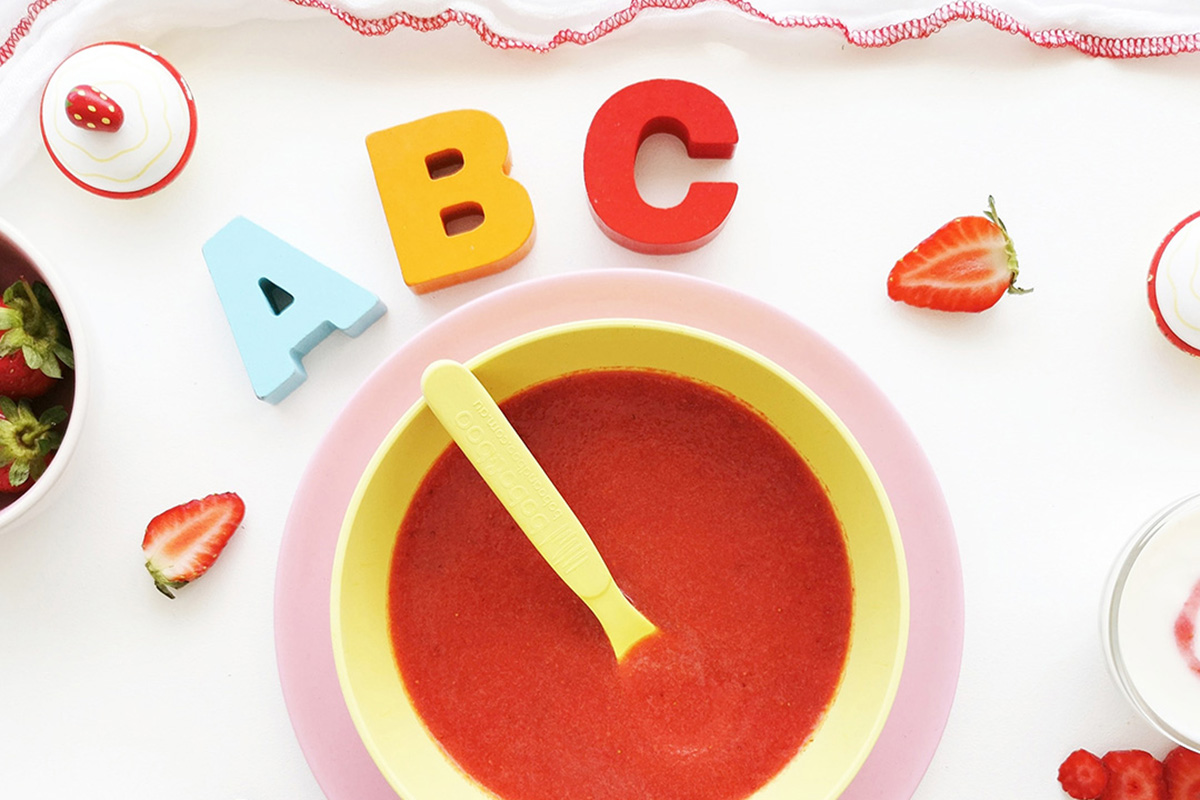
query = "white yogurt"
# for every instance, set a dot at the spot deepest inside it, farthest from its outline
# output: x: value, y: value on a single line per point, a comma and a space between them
x: 1152, y: 600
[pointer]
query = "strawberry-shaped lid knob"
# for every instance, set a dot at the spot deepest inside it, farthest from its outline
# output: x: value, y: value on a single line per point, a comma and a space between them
x: 93, y: 110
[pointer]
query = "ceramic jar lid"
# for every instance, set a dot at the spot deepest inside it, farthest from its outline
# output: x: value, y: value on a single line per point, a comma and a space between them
x: 118, y: 119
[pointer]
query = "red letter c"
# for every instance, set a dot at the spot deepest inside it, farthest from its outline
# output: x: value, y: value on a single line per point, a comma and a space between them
x: 689, y: 112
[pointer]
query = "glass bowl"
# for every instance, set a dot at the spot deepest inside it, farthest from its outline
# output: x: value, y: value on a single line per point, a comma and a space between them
x: 1148, y: 621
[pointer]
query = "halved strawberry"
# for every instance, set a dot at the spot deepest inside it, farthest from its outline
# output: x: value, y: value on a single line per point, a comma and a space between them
x: 27, y: 443
x: 1083, y: 776
x: 966, y: 265
x: 1133, y: 775
x: 183, y: 542
x: 1181, y: 770
x: 35, y: 345
x: 91, y: 109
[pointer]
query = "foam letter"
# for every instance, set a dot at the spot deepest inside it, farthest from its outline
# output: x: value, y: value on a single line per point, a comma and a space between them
x: 689, y: 112
x: 281, y: 303
x: 453, y: 212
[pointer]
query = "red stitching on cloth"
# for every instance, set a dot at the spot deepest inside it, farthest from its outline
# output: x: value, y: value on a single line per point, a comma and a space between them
x: 920, y: 28
x: 961, y: 10
x: 21, y: 28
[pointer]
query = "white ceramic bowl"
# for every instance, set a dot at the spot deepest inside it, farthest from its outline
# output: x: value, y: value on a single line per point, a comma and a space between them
x: 18, y: 258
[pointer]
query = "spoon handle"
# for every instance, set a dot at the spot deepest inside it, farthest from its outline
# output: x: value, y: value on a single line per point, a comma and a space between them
x: 477, y: 425
x: 480, y: 429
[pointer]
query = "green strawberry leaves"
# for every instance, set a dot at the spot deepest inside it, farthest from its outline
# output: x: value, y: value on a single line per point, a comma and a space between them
x: 34, y: 325
x: 35, y: 360
x: 53, y: 416
x: 8, y: 408
x: 26, y: 440
x: 66, y: 356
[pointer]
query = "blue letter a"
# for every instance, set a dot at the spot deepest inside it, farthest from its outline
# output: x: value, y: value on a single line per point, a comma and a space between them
x: 281, y: 303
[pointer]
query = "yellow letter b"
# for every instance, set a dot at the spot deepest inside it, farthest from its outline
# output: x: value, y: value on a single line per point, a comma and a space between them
x: 453, y: 211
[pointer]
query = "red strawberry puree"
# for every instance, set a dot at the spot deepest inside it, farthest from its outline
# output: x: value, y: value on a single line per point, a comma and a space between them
x: 714, y: 528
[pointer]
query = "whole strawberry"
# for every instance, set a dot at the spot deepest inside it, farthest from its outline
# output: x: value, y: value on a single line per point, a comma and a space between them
x: 27, y: 443
x: 966, y: 265
x: 35, y: 345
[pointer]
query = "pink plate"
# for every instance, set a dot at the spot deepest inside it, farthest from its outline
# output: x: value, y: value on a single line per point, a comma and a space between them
x: 327, y: 736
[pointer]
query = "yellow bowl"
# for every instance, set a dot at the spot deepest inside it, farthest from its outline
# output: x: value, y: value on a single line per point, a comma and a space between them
x: 411, y: 759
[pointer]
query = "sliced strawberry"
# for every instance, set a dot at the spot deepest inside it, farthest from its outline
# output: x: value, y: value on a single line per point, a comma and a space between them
x: 91, y: 109
x: 966, y: 265
x: 1083, y: 776
x: 1181, y: 770
x: 27, y: 443
x: 35, y: 345
x: 183, y: 542
x: 1133, y: 775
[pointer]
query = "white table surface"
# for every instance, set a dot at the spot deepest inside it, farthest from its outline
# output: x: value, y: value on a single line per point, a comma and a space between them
x: 1056, y: 422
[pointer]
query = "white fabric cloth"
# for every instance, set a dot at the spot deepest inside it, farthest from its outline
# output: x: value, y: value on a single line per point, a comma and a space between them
x: 40, y: 35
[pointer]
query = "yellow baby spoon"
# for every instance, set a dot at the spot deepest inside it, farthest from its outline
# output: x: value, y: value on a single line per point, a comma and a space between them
x: 475, y: 422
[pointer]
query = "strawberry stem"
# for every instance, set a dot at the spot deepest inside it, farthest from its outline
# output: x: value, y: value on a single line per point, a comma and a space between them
x: 1010, y: 250
x: 25, y: 287
x: 26, y: 440
x: 163, y: 583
